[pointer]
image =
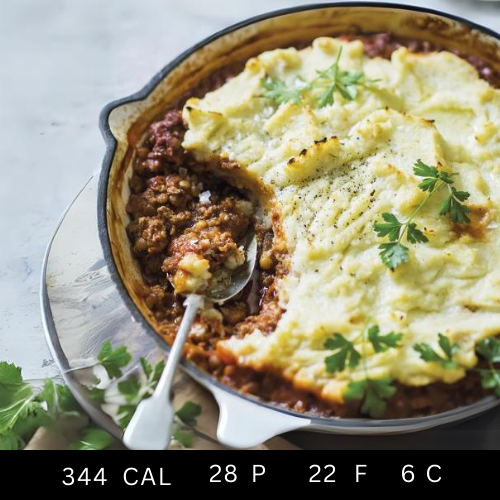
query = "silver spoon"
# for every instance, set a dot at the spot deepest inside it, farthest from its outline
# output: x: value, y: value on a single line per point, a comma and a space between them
x: 151, y: 426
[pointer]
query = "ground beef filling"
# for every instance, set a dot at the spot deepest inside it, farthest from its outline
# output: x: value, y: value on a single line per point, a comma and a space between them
x: 180, y: 208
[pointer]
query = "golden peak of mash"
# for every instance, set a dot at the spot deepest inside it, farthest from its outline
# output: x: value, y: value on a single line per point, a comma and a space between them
x: 334, y: 171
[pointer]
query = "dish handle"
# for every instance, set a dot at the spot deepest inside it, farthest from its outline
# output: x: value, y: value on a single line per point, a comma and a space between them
x: 245, y: 424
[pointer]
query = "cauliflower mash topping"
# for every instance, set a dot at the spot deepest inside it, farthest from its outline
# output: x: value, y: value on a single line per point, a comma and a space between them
x: 334, y: 170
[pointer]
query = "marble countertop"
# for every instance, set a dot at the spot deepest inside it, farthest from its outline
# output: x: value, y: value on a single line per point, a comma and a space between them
x: 63, y: 60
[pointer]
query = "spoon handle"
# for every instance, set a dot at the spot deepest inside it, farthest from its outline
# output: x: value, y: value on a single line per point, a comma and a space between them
x: 192, y: 303
x: 151, y: 426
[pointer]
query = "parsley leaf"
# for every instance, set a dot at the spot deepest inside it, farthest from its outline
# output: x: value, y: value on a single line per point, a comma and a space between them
x: 453, y: 207
x: 10, y: 441
x: 60, y: 402
x: 346, y: 353
x: 421, y: 169
x: 489, y: 349
x: 10, y: 376
x: 394, y: 254
x: 183, y: 436
x: 125, y: 414
x: 135, y: 390
x: 97, y: 396
x: 431, y: 176
x: 428, y: 354
x: 414, y: 235
x: 114, y: 359
x: 26, y: 427
x: 146, y: 367
x: 188, y: 413
x: 20, y: 413
x: 130, y: 388
x: 390, y: 228
x: 373, y: 392
x: 382, y: 343
x: 186, y: 420
x: 17, y: 398
x: 93, y: 438
x: 278, y: 90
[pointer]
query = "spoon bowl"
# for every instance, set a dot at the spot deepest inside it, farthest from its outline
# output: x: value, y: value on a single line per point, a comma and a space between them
x: 241, y: 275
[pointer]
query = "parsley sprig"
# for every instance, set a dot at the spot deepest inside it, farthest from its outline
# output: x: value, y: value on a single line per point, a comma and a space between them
x: 489, y: 349
x: 382, y: 343
x: 428, y: 354
x: 394, y: 253
x: 334, y: 79
x: 139, y: 386
x: 322, y: 89
x: 372, y: 392
x: 434, y: 180
x: 345, y: 353
x: 24, y: 408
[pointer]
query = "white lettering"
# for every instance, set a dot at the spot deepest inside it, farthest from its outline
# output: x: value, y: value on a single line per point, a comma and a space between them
x: 125, y: 477
x: 359, y: 473
x: 255, y: 473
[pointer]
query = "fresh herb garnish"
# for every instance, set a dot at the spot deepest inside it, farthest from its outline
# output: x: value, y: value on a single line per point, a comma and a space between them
x: 17, y: 403
x: 24, y: 408
x: 11, y: 441
x: 278, y: 91
x: 322, y: 89
x: 93, y: 438
x: 59, y: 400
x: 434, y: 180
x: 382, y: 343
x: 188, y: 413
x: 186, y: 420
x: 135, y: 390
x: 346, y: 353
x: 334, y: 79
x: 489, y: 349
x: 373, y: 392
x: 113, y: 360
x: 394, y: 253
x: 137, y: 387
x: 428, y: 354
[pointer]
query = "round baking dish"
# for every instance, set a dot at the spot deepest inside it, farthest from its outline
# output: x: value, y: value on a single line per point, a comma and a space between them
x: 246, y: 421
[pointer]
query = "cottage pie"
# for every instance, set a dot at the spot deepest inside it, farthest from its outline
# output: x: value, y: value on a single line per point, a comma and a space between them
x: 369, y: 169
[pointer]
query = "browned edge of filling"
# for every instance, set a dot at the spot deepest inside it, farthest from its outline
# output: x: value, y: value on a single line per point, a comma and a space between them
x: 168, y: 220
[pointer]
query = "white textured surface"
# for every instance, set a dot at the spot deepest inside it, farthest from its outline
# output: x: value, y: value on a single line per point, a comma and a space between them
x: 62, y: 60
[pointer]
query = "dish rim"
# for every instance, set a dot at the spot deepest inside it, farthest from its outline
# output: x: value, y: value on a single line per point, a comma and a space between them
x: 405, y: 424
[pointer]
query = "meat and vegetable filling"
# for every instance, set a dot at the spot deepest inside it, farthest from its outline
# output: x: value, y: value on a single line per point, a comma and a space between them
x: 187, y: 227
